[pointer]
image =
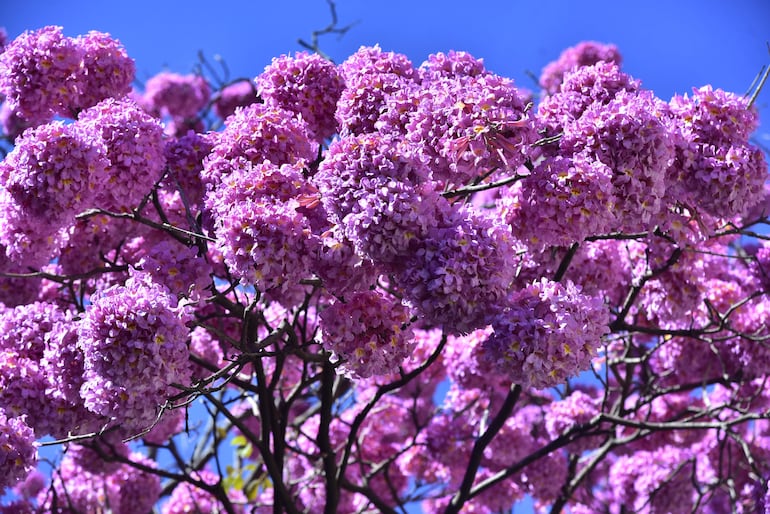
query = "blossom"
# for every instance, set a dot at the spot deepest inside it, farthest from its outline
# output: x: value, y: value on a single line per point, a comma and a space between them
x: 306, y: 84
x: 16, y: 291
x: 184, y: 158
x: 364, y: 99
x: 658, y: 481
x: 134, y: 142
x: 458, y: 272
x: 255, y: 134
x: 585, y: 53
x: 238, y: 94
x: 126, y: 489
x: 371, y: 188
x: 177, y: 267
x: 565, y: 415
x: 134, y: 348
x: 545, y: 334
x: 179, y: 96
x: 106, y: 69
x: 353, y: 162
x: 53, y: 170
x: 368, y: 332
x: 582, y: 87
x: 339, y: 266
x: 627, y: 135
x: 563, y: 201
x: 466, y: 127
x: 371, y: 60
x: 450, y: 65
x: 18, y: 452
x: 716, y: 168
x: 261, y: 228
x: 186, y: 497
x: 38, y: 74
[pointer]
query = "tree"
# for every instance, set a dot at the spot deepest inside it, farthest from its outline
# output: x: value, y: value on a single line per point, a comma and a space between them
x: 350, y: 288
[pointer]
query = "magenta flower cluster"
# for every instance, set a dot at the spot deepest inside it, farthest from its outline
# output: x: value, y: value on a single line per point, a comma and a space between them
x: 18, y: 452
x: 133, y: 343
x: 45, y: 73
x: 388, y: 281
x: 368, y: 333
x: 547, y: 333
x: 306, y: 84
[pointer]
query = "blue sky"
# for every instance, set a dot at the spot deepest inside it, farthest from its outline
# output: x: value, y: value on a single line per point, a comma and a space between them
x: 670, y: 45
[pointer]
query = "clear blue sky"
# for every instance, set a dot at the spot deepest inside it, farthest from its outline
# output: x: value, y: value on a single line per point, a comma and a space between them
x: 670, y: 45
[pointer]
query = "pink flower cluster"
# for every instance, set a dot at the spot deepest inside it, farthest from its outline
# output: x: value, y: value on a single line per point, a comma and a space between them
x: 368, y: 333
x: 126, y: 488
x: 18, y: 452
x: 134, y: 347
x: 583, y: 54
x: 255, y: 134
x: 306, y: 84
x: 44, y: 73
x: 134, y: 142
x: 716, y: 166
x: 546, y: 333
x: 264, y: 236
x: 187, y: 498
x: 178, y: 96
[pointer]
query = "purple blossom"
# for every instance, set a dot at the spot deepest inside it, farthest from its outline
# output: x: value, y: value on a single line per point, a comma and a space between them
x: 90, y: 238
x: 11, y: 123
x: 178, y: 96
x: 352, y: 163
x: 39, y: 372
x: 585, y: 53
x: 177, y: 267
x: 339, y: 266
x: 184, y: 158
x: 18, y: 452
x: 546, y: 333
x: 364, y: 100
x: 458, y: 272
x: 563, y: 201
x: 450, y: 65
x: 106, y: 70
x: 654, y: 482
x: 38, y: 75
x: 576, y: 409
x: 306, y: 84
x: 127, y: 490
x: 261, y: 229
x: 368, y: 332
x: 598, y: 83
x: 31, y: 486
x: 627, y: 135
x: 238, y: 94
x: 134, y: 347
x: 52, y: 171
x: 28, y: 241
x: 255, y: 134
x: 170, y: 424
x: 714, y: 116
x: 716, y: 167
x: 466, y: 127
x: 134, y: 142
x: 187, y: 498
x: 16, y: 291
x: 371, y: 60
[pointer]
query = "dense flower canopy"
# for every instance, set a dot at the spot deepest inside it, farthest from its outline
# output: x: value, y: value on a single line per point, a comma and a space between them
x: 333, y: 288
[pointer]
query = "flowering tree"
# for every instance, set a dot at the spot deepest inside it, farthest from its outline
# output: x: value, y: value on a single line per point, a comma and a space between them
x: 350, y: 288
